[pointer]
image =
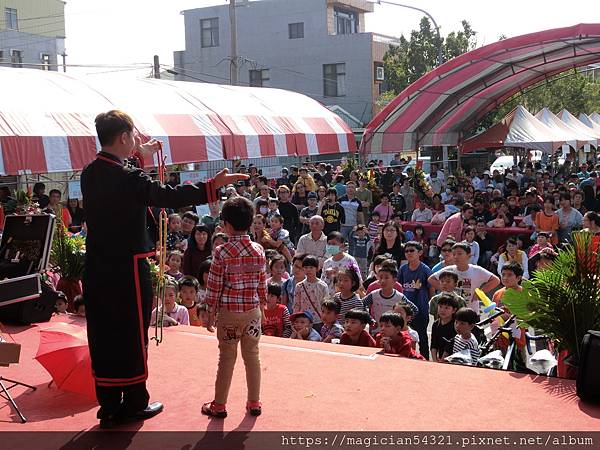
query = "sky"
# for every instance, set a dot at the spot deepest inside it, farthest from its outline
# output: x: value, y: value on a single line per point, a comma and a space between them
x: 130, y: 32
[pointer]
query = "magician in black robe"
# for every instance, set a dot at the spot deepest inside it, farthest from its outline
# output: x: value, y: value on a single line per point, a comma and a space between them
x: 117, y: 285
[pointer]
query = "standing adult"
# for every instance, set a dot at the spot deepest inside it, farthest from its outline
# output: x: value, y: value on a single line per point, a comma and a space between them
x: 352, y: 210
x: 314, y: 242
x: 117, y: 285
x: 55, y: 207
x: 453, y: 226
x: 289, y: 212
x: 568, y: 218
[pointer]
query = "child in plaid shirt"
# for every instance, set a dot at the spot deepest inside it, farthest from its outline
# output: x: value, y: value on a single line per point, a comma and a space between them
x: 235, y: 289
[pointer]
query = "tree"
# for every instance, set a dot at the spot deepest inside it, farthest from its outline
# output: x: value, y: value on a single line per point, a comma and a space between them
x: 411, y: 59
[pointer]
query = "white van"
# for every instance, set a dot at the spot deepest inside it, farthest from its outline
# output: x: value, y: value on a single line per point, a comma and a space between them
x: 507, y: 161
x: 425, y: 164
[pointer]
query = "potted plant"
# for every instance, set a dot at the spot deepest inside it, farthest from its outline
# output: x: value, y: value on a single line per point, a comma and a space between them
x: 563, y: 300
x: 67, y: 259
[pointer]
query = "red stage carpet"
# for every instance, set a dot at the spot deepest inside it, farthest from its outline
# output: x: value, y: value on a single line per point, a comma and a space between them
x: 310, y: 386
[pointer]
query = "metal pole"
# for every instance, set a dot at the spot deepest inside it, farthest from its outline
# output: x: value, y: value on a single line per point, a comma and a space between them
x: 437, y: 28
x: 156, y: 67
x: 233, y: 69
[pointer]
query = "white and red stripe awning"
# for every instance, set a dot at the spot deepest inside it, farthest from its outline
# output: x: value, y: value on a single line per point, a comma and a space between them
x: 47, y: 120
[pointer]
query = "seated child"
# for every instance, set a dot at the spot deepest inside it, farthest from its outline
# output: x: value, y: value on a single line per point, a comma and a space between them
x: 278, y: 233
x: 61, y: 304
x: 406, y: 311
x: 443, y: 330
x: 302, y: 327
x: 218, y: 239
x: 174, y: 314
x: 273, y: 208
x: 174, y: 261
x: 331, y: 329
x: 393, y: 339
x: 464, y: 322
x: 277, y: 270
x: 372, y: 283
x: 448, y: 282
x: 275, y: 316
x: 203, y: 270
x: 310, y: 293
x: 188, y: 296
x: 384, y: 299
x: 542, y: 241
x: 79, y: 306
x: 354, y: 329
x: 175, y: 238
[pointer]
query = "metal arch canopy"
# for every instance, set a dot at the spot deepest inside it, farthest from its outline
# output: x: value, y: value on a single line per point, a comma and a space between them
x: 436, y: 108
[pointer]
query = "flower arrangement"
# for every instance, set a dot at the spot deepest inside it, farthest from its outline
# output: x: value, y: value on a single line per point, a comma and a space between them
x: 421, y: 185
x: 25, y: 205
x: 67, y: 256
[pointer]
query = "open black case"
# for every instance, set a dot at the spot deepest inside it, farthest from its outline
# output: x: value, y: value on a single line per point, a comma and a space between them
x: 24, y: 254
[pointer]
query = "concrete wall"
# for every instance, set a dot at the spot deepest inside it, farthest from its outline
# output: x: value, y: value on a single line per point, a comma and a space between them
x: 41, y: 29
x: 294, y: 64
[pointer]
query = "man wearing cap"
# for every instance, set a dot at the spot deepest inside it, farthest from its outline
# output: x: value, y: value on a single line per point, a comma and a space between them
x: 308, y: 211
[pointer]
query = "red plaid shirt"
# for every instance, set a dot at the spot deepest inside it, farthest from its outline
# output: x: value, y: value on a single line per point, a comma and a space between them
x: 237, y: 279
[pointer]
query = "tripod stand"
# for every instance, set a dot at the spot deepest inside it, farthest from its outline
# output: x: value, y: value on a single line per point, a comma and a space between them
x: 6, y: 395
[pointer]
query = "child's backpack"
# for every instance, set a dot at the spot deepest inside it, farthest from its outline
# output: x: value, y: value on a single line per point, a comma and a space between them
x: 588, y: 372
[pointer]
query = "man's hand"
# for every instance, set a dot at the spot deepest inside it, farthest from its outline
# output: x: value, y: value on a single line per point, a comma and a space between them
x: 210, y: 323
x: 223, y: 178
x: 149, y: 148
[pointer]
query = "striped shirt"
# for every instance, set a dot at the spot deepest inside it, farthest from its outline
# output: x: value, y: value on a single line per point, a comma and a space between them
x: 470, y: 344
x: 353, y: 302
x: 237, y: 277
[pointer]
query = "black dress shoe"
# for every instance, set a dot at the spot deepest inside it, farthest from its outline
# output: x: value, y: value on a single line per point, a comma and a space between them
x: 150, y: 411
x: 106, y: 423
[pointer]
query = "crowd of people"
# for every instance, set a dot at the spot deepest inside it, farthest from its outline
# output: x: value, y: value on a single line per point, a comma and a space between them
x: 343, y: 268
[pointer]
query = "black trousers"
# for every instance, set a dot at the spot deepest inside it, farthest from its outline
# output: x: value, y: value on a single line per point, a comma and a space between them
x: 122, y: 400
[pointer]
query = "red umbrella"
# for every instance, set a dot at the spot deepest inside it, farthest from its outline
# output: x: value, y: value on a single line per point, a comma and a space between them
x: 64, y: 353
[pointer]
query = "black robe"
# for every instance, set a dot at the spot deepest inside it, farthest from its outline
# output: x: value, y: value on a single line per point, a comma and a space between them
x: 117, y: 285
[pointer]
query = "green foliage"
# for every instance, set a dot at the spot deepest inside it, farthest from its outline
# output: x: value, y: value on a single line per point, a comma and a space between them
x: 563, y: 299
x: 411, y: 59
x: 68, y: 254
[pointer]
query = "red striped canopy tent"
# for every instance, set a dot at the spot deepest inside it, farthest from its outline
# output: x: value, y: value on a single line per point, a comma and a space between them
x: 47, y: 120
x: 438, y: 107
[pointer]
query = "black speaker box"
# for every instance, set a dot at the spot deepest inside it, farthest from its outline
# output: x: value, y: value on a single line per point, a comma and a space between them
x: 31, y: 311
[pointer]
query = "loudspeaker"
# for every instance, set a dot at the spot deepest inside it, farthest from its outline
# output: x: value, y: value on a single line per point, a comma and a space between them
x: 31, y: 311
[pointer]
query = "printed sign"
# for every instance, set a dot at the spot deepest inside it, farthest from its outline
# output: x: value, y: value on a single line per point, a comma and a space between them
x: 75, y: 189
x: 193, y: 177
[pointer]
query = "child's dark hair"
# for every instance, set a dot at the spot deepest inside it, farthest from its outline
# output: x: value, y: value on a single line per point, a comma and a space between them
x: 379, y: 259
x: 219, y: 235
x: 203, y: 267
x: 174, y: 253
x: 406, y: 307
x: 238, y: 212
x: 463, y: 246
x: 360, y: 315
x: 420, y: 227
x: 278, y: 217
x: 448, y: 274
x: 466, y: 315
x: 513, y: 267
x: 414, y: 244
x: 310, y: 261
x: 448, y: 299
x: 171, y: 283
x: 389, y: 266
x: 78, y: 301
x: 189, y: 281
x: 336, y: 235
x: 351, y: 273
x: 275, y: 259
x: 274, y: 289
x: 332, y: 305
x: 391, y: 317
x: 299, y: 257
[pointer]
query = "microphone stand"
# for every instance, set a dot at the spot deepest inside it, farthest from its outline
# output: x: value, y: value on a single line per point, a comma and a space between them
x: 6, y: 395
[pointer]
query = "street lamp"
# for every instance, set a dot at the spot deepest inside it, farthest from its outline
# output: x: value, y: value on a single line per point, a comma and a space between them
x: 437, y: 28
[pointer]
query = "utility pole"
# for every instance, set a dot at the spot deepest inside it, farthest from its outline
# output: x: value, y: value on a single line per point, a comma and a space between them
x: 156, y: 67
x: 233, y: 61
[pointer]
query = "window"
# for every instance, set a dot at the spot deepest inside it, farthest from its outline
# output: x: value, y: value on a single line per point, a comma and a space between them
x: 259, y: 78
x: 10, y: 18
x: 16, y: 58
x: 45, y: 58
x: 296, y: 30
x: 334, y: 80
x: 346, y: 22
x: 209, y: 32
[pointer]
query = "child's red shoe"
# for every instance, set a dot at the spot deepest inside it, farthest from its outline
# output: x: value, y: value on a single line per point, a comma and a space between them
x: 254, y: 408
x: 214, y: 409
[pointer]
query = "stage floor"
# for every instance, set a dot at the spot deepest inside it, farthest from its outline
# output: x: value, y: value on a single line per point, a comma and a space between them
x: 310, y: 386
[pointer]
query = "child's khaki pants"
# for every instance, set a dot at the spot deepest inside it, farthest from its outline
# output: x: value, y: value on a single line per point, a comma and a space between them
x: 233, y: 327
